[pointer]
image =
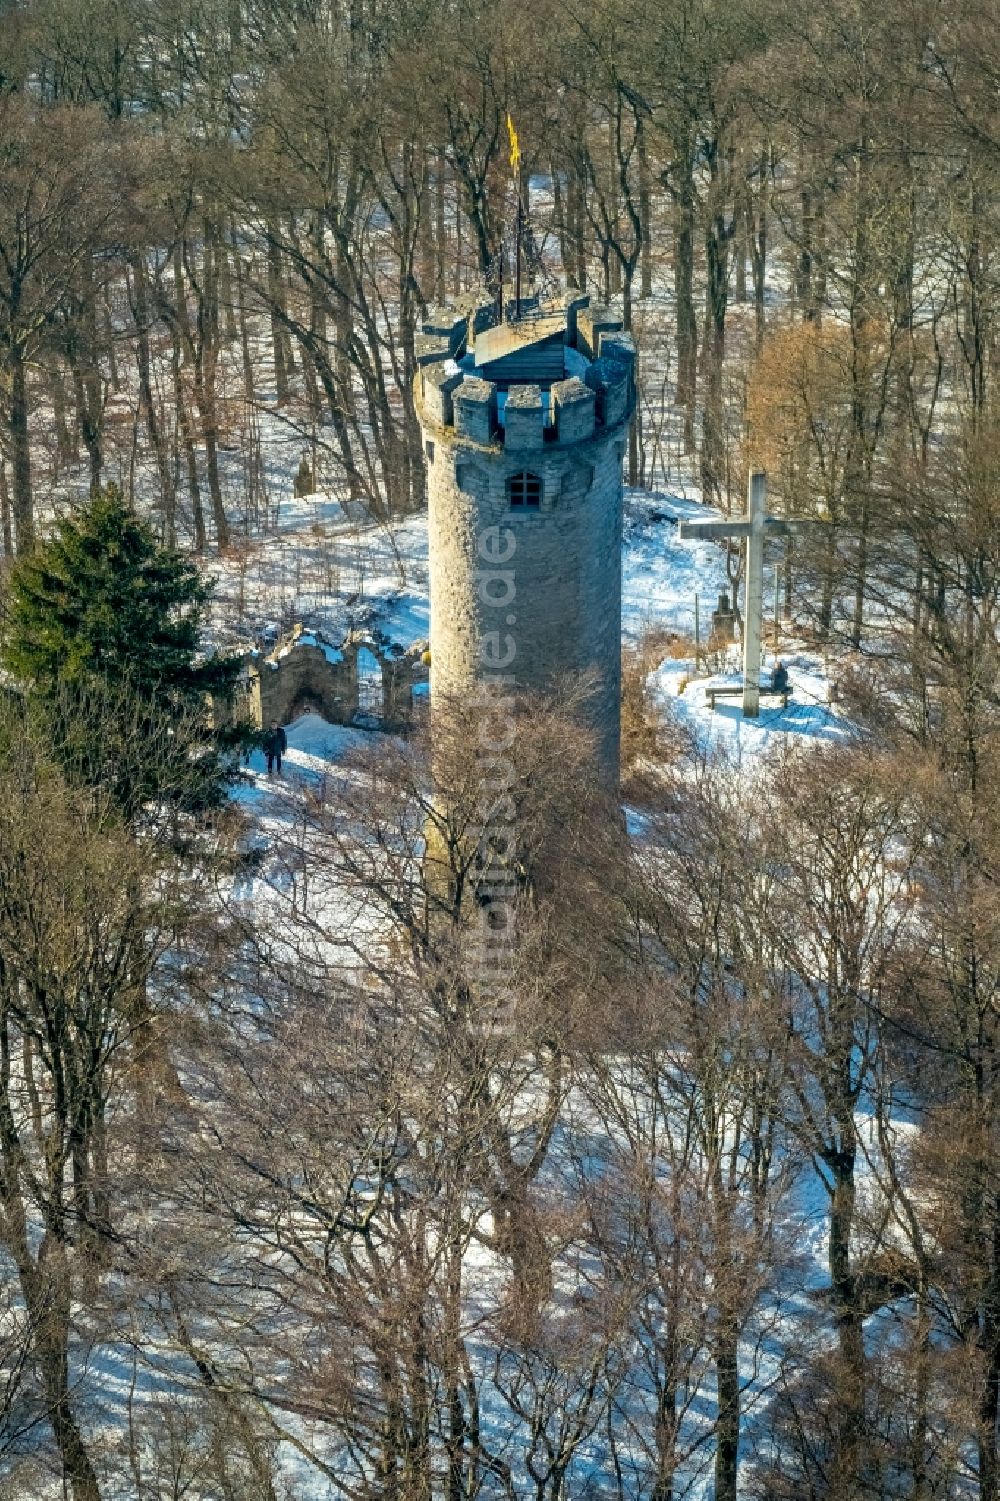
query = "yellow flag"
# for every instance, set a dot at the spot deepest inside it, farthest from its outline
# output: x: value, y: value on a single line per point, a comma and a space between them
x: 515, y: 145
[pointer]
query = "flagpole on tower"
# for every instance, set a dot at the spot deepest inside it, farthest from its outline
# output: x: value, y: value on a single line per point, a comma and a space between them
x: 517, y: 260
x: 515, y: 164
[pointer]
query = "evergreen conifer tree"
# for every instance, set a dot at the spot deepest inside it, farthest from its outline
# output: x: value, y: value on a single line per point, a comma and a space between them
x: 102, y: 632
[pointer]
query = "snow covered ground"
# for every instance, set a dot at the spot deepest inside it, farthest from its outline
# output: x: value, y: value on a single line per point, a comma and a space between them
x: 808, y: 714
x: 335, y: 572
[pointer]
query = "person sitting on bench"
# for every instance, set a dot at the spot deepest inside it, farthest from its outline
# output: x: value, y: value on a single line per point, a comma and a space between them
x: 779, y: 677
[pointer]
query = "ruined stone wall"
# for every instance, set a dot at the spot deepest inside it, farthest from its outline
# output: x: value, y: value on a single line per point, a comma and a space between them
x: 299, y: 675
x: 304, y: 677
x: 565, y: 568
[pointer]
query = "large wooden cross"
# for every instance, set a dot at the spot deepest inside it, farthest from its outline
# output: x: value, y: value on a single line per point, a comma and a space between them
x: 755, y: 528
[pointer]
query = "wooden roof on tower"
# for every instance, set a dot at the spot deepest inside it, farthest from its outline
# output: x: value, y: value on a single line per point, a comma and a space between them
x: 531, y: 351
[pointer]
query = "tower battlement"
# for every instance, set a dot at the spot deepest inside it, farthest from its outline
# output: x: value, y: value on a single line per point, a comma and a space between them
x: 595, y: 387
x: 525, y: 426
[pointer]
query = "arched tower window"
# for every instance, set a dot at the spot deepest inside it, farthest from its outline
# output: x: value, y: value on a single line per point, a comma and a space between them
x: 524, y: 491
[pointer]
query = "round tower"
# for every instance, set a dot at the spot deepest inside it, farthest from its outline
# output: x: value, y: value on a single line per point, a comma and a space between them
x: 524, y: 427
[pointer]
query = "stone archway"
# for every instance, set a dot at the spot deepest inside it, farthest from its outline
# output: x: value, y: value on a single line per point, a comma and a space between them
x: 370, y: 670
x: 363, y: 680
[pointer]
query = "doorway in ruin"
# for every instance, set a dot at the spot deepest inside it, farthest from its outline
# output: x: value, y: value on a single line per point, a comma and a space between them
x: 371, y: 685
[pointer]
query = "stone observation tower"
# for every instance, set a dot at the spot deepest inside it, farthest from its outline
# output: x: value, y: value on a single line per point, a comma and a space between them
x: 524, y: 428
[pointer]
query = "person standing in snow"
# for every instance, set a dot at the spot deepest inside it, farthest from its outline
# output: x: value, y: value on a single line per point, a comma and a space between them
x: 779, y: 677
x: 274, y: 744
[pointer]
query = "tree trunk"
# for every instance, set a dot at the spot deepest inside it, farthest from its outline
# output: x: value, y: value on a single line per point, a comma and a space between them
x: 829, y: 575
x: 425, y: 234
x: 276, y: 297
x: 220, y: 250
x: 666, y: 1429
x: 140, y: 314
x: 23, y: 507
x: 205, y: 372
x: 190, y: 458
x: 180, y: 301
x: 6, y: 530
x: 803, y: 265
x: 614, y: 218
x: 456, y: 1437
x: 726, y: 1338
x: 249, y: 385
x: 45, y: 1285
x: 440, y: 229
x: 414, y: 492
x: 458, y: 243
x: 579, y: 190
x: 727, y: 1378
x: 559, y: 220
x: 108, y: 332
x: 849, y: 1387
x: 921, y: 1429
x: 743, y: 233
x: 757, y: 234
x: 973, y: 340
x: 687, y: 323
x: 861, y: 575
x: 204, y: 395
x: 66, y: 449
x: 89, y: 421
x: 646, y: 234
x: 717, y: 237
x: 988, y: 1438
x: 205, y: 398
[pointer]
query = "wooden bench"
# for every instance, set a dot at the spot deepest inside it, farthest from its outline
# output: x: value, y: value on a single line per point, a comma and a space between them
x: 736, y: 691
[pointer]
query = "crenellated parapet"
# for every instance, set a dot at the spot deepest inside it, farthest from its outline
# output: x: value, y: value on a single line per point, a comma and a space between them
x: 611, y: 384
x: 524, y: 417
x: 574, y: 410
x: 443, y: 335
x: 593, y: 321
x: 438, y: 384
x: 475, y: 404
x: 483, y: 395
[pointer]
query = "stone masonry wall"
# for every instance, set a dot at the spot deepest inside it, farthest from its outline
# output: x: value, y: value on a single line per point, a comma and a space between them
x: 304, y: 676
x: 565, y: 617
x: 299, y: 674
x: 566, y: 573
